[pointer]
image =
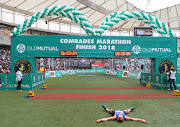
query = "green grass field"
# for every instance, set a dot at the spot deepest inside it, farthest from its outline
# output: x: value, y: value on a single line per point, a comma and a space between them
x: 17, y: 111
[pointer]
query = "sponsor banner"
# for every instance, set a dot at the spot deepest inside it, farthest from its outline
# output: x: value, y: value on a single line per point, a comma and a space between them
x: 67, y: 72
x: 98, y: 65
x: 29, y: 81
x: 125, y: 73
x: 94, y: 47
x: 70, y: 72
x: 3, y: 81
x: 143, y: 78
x: 58, y: 74
x: 52, y: 73
x: 158, y: 80
x: 98, y: 68
x: 108, y: 72
x: 37, y: 80
x: 113, y: 72
x: 12, y: 84
x: 88, y: 71
x: 133, y: 74
x: 47, y: 75
x: 166, y: 81
x: 119, y: 73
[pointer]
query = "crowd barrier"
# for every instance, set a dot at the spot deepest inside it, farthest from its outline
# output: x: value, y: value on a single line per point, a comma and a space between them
x: 158, y: 80
x: 29, y: 82
x: 67, y: 72
x: 129, y: 74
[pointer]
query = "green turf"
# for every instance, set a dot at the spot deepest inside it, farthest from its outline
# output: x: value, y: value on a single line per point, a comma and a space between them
x: 17, y: 111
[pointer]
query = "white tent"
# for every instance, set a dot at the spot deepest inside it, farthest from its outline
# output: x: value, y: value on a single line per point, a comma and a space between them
x: 168, y: 11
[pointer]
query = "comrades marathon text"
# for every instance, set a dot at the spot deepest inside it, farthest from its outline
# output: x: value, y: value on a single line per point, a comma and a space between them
x: 87, y: 43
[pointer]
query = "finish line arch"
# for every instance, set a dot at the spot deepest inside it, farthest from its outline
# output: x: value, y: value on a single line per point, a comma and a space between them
x: 162, y: 50
x: 79, y: 18
x: 93, y: 46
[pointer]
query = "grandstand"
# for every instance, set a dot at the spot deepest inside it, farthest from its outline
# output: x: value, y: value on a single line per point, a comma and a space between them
x: 93, y: 52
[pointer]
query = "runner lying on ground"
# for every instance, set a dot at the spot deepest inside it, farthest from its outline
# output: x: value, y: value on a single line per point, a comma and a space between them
x: 119, y: 115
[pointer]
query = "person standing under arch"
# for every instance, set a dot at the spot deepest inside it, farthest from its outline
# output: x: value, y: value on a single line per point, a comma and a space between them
x: 19, y: 79
x: 172, y: 78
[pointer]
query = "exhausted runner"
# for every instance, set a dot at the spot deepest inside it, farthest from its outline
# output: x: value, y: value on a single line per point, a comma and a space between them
x: 119, y: 115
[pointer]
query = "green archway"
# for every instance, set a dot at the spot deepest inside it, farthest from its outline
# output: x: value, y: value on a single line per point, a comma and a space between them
x: 79, y: 18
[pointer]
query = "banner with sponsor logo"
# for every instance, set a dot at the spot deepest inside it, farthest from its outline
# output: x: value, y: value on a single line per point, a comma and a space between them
x: 29, y: 81
x: 47, y: 75
x: 133, y: 74
x: 98, y: 66
x: 97, y: 47
x: 58, y: 74
x: 52, y: 73
x: 26, y: 48
x: 159, y: 81
x: 110, y: 72
x: 119, y: 73
x: 3, y: 81
x: 125, y: 73
x: 67, y: 72
x: 88, y: 71
x: 12, y: 84
x: 129, y: 74
x: 37, y: 80
x: 143, y: 78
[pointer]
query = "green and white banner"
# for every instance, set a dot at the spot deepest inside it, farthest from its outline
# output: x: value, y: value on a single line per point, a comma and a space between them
x: 29, y: 81
x: 37, y: 80
x: 98, y: 47
x: 158, y: 80
x: 12, y: 84
x: 24, y: 49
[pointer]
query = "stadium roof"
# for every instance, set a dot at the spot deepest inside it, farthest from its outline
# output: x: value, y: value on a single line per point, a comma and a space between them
x: 168, y: 11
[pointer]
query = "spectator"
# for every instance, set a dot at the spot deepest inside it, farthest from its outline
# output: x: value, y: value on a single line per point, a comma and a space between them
x: 172, y: 76
x: 41, y: 70
x: 19, y: 79
x: 3, y: 70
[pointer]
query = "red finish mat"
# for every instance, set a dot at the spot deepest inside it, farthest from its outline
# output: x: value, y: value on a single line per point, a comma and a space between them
x: 94, y: 88
x: 103, y: 96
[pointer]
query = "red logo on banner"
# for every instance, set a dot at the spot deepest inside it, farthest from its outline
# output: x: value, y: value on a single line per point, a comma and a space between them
x: 98, y: 65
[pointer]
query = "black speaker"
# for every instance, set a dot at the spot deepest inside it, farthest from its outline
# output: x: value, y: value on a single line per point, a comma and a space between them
x: 142, y: 67
x: 124, y: 67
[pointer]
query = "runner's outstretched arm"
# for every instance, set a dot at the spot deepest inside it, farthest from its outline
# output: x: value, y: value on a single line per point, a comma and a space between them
x: 135, y: 119
x: 106, y: 119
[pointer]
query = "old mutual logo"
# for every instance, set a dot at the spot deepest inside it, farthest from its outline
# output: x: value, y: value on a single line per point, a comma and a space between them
x: 21, y: 48
x: 136, y: 49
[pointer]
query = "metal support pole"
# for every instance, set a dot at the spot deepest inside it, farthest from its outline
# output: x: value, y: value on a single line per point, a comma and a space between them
x: 31, y: 81
x: 161, y: 82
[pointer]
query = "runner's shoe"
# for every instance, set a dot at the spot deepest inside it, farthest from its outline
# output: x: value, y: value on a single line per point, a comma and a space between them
x: 104, y: 106
x: 133, y: 108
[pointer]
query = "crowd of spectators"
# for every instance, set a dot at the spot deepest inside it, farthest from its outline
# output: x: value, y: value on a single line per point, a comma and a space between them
x: 4, y: 34
x: 5, y: 61
x: 85, y: 63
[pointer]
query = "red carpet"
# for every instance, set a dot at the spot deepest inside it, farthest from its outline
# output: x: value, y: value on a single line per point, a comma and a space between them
x: 103, y: 96
x: 94, y: 88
